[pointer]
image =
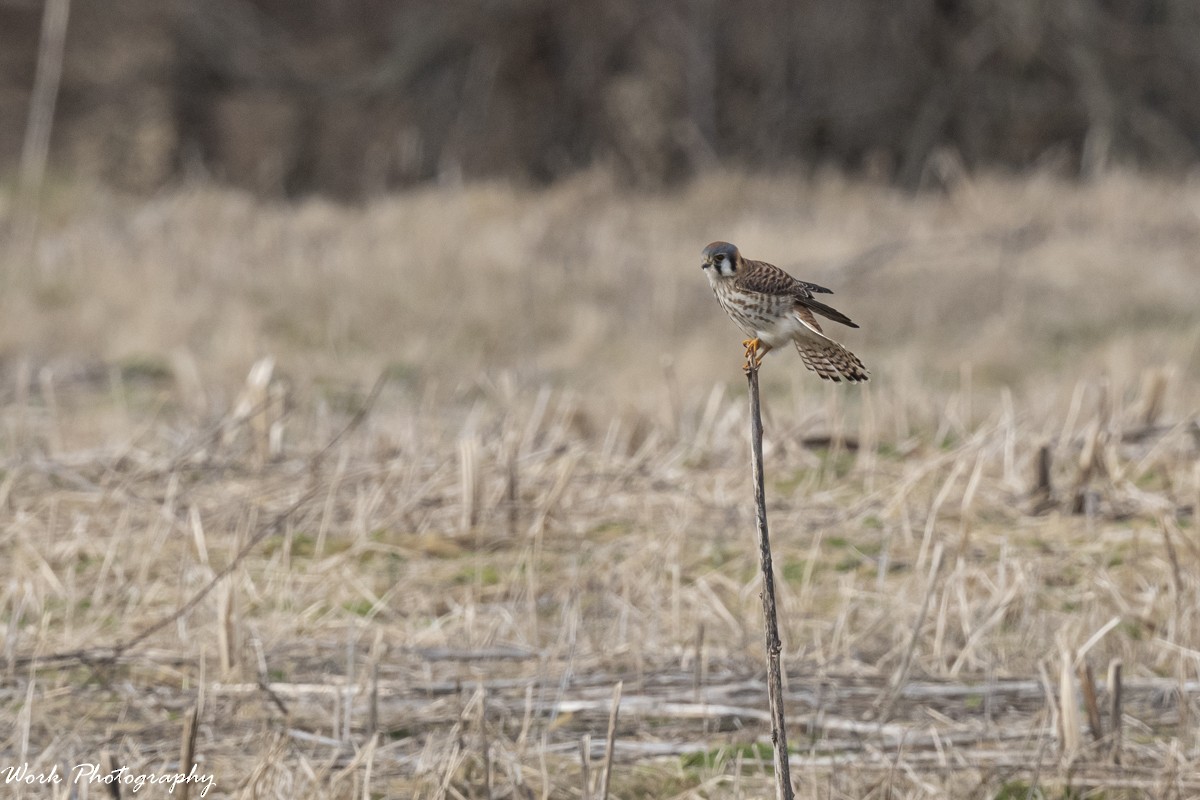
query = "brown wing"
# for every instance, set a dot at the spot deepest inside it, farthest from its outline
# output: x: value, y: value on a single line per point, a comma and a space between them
x: 759, y: 276
x: 764, y: 278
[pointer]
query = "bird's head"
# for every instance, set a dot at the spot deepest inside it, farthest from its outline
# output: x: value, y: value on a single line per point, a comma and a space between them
x: 723, y: 258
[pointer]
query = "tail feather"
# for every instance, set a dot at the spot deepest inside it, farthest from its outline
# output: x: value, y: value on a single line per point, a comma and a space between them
x: 831, y: 361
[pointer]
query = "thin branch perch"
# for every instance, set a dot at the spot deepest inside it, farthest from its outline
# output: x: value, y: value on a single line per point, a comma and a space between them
x: 783, y: 779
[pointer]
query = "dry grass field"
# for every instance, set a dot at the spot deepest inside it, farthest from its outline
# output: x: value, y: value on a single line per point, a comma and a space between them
x: 430, y: 589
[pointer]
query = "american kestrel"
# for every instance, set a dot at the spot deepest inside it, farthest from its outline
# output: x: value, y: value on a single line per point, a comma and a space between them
x: 773, y: 308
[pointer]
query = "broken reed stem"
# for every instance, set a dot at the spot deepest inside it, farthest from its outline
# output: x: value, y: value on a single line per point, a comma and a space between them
x: 783, y: 779
x: 485, y: 748
x: 585, y: 767
x: 1087, y: 682
x: 611, y: 740
x: 187, y: 746
x: 1116, y: 709
x: 1068, y: 712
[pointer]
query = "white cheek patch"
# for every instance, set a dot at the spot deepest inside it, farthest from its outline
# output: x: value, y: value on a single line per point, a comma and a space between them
x: 727, y: 267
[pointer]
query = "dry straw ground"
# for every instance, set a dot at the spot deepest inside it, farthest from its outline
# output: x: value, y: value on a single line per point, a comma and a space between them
x: 550, y: 493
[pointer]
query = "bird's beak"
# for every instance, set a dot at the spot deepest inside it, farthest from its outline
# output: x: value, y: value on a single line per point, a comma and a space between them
x: 703, y: 265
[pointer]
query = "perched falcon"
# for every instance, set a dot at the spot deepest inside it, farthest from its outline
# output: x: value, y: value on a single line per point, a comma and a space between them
x: 773, y: 308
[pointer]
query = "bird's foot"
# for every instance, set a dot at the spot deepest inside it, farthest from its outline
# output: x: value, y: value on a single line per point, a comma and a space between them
x: 753, y: 348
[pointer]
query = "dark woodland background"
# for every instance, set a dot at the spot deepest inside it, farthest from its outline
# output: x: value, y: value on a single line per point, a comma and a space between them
x: 354, y: 97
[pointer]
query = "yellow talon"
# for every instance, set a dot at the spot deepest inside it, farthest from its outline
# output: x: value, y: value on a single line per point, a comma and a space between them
x: 752, y: 347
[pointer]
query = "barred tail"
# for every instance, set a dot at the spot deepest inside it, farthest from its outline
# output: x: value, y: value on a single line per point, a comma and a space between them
x: 831, y: 361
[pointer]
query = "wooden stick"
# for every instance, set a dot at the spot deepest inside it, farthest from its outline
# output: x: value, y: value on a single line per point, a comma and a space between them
x: 783, y: 779
x: 610, y: 743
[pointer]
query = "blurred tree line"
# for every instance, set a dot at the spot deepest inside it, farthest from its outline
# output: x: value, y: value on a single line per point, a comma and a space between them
x: 350, y: 97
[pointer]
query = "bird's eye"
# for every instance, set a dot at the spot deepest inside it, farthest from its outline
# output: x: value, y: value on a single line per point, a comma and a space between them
x: 720, y: 258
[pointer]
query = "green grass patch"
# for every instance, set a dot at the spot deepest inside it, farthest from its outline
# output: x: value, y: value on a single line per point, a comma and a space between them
x: 146, y: 368
x: 486, y: 575
x: 718, y: 758
x: 793, y: 569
